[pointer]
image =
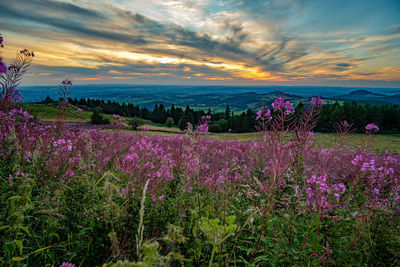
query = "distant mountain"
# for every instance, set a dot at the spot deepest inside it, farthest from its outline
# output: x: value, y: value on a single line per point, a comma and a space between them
x: 365, y: 96
x: 217, y: 102
x: 239, y: 98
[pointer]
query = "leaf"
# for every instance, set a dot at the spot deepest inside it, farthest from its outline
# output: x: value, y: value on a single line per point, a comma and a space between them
x: 14, y: 197
x: 18, y: 243
x: 23, y: 228
x: 18, y: 258
x: 39, y: 250
x: 3, y: 227
x: 194, y: 231
x: 9, y: 247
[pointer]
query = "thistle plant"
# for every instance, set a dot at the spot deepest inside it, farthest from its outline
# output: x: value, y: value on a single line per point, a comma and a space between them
x: 11, y: 76
x: 64, y: 91
x: 3, y: 67
x: 302, y: 134
x: 216, y: 232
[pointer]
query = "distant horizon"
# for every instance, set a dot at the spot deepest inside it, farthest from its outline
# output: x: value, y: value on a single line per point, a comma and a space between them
x: 216, y: 85
x: 147, y: 93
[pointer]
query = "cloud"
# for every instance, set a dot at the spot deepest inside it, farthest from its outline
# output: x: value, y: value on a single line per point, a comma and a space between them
x: 225, y: 40
x: 141, y: 31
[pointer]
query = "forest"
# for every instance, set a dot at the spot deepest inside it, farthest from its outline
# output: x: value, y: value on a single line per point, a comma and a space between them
x: 386, y: 116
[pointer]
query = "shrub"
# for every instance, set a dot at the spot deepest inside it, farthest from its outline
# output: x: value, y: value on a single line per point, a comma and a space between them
x: 169, y: 122
x: 98, y: 118
x: 136, y: 122
x: 183, y: 122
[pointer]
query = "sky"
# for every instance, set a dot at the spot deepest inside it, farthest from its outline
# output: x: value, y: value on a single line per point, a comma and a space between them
x: 206, y: 42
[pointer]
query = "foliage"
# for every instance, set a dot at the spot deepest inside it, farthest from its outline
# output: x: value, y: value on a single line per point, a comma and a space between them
x: 169, y: 122
x: 386, y: 116
x: 135, y: 123
x: 97, y: 118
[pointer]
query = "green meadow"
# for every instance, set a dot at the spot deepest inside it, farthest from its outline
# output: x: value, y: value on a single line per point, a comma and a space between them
x: 48, y: 112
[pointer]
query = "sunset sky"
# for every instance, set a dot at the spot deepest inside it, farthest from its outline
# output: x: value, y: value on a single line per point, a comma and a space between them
x: 229, y: 42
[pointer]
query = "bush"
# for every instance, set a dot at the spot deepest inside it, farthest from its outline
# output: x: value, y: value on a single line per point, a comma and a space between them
x: 135, y: 123
x: 97, y: 118
x: 169, y: 122
x: 214, y: 128
x: 182, y: 123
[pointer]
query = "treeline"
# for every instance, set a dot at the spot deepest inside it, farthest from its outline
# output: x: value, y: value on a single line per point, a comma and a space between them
x: 386, y: 117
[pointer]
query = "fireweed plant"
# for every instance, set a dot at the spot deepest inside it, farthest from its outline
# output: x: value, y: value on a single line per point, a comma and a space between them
x: 88, y: 197
x: 10, y: 77
x: 64, y: 92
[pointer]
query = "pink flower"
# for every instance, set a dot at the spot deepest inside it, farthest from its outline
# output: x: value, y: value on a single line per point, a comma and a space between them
x: 357, y: 160
x: 66, y: 82
x: 267, y: 115
x: 371, y: 128
x: 316, y: 101
x: 27, y: 53
x: 3, y: 67
x: 281, y: 104
x: 203, y: 123
x: 259, y: 114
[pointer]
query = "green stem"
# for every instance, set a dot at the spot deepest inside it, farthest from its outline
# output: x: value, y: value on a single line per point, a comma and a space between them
x: 212, y: 257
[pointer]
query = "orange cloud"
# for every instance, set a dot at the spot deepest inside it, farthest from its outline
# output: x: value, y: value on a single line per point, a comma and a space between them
x: 122, y: 78
x: 88, y: 78
x: 114, y: 72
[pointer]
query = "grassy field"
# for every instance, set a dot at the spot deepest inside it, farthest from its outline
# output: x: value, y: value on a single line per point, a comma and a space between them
x: 390, y: 142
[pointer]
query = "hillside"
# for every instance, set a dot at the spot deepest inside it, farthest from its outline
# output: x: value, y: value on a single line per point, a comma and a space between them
x: 365, y: 96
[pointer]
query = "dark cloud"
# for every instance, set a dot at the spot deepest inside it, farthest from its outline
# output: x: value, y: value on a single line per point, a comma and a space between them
x: 48, y: 16
x: 343, y: 65
x: 140, y: 31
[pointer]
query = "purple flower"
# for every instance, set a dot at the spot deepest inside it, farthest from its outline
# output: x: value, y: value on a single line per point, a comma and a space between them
x: 267, y: 114
x: 27, y: 53
x: 259, y: 114
x: 288, y: 107
x: 1, y: 41
x: 203, y: 123
x: 281, y: 104
x: 203, y: 128
x: 3, y: 67
x: 13, y: 68
x: 67, y: 264
x: 66, y: 82
x: 316, y: 101
x: 371, y: 128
